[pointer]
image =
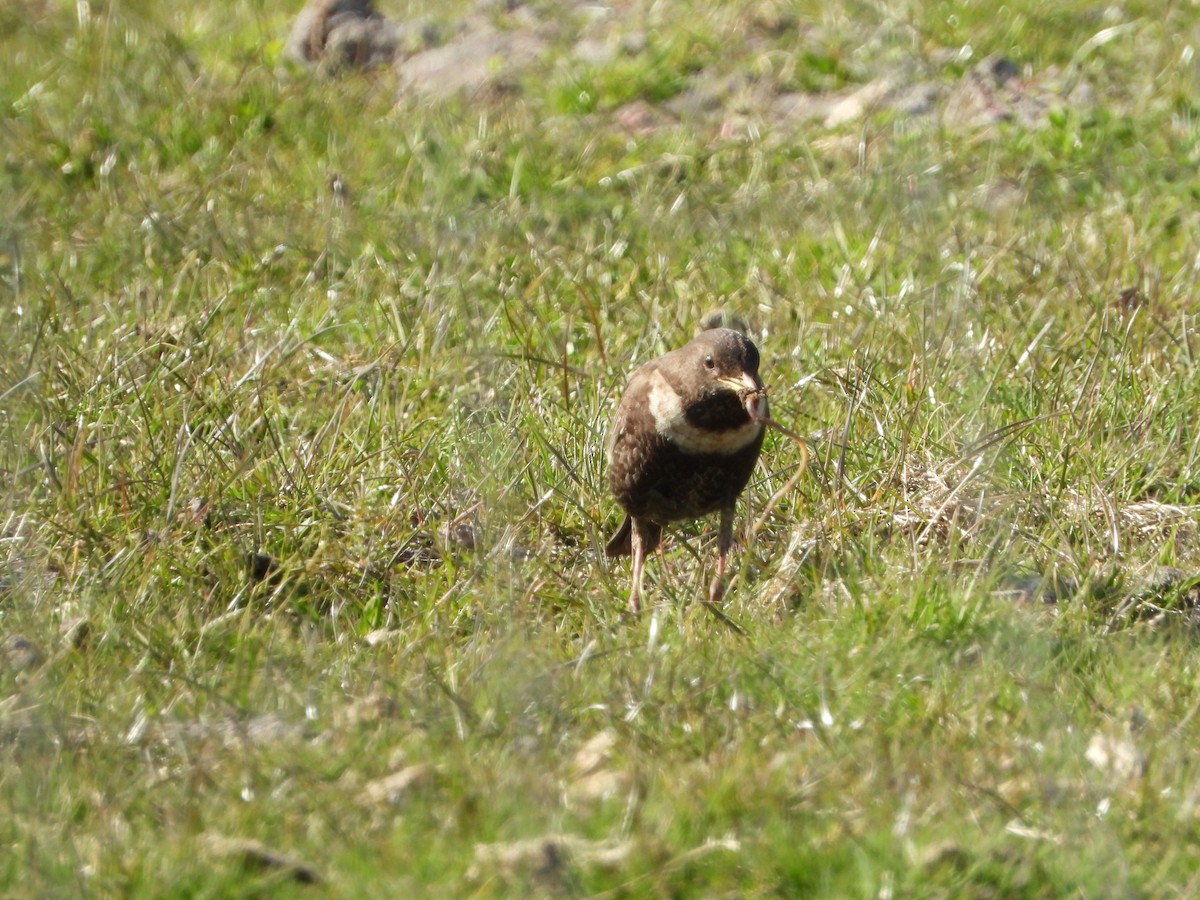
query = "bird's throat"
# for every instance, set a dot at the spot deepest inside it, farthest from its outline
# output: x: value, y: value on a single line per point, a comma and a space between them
x: 671, y: 421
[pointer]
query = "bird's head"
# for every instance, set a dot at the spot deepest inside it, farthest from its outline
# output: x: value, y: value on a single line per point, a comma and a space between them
x: 720, y: 375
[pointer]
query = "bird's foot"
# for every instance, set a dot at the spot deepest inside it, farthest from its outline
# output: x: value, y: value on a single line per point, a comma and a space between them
x: 716, y: 590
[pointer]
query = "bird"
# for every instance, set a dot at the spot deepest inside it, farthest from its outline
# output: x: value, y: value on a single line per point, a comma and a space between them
x: 683, y: 443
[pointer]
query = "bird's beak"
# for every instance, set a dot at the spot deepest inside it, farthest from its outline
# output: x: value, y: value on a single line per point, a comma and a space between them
x: 743, y: 384
x: 750, y: 391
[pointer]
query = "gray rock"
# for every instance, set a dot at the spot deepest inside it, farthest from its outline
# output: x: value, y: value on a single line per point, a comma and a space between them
x: 339, y: 33
x: 21, y: 654
x: 482, y: 55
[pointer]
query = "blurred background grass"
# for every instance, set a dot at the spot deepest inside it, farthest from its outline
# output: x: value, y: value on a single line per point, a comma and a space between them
x: 306, y: 382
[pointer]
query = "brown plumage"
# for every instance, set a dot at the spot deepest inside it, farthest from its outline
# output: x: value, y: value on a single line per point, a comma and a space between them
x: 684, y: 441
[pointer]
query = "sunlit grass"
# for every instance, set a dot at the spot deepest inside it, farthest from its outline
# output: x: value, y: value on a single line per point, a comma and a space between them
x: 305, y: 394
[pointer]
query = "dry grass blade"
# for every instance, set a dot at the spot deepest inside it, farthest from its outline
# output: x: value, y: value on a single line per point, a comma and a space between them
x: 257, y: 855
x: 793, y: 480
x: 391, y: 401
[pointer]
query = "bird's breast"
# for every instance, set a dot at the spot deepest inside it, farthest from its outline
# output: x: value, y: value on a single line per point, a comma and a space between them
x: 671, y: 421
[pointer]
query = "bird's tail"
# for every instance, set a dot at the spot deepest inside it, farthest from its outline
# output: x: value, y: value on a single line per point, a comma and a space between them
x: 621, y: 543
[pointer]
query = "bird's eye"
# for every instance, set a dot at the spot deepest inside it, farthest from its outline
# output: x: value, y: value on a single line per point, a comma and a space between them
x: 709, y: 363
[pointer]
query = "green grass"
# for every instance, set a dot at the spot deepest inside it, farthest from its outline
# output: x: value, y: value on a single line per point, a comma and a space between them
x: 207, y: 355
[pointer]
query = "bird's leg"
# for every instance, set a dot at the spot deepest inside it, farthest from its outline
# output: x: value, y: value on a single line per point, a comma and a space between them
x: 638, y: 546
x: 724, y: 542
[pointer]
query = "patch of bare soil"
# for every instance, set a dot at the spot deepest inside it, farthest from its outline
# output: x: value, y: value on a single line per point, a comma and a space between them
x: 487, y: 51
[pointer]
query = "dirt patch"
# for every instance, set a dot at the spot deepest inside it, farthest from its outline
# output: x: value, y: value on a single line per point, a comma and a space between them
x: 493, y: 46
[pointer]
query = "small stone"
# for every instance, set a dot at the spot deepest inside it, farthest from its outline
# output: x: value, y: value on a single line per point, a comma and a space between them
x: 457, y: 535
x: 1116, y: 756
x: 480, y: 57
x: 859, y: 102
x: 998, y: 68
x: 77, y: 632
x: 639, y: 117
x: 545, y: 856
x: 947, y: 855
x: 595, y: 753
x: 398, y: 759
x: 270, y: 728
x: 365, y: 711
x: 21, y: 654
x: 594, y: 51
x: 391, y: 789
x: 599, y: 785
x: 342, y: 33
x: 594, y: 779
x: 381, y: 636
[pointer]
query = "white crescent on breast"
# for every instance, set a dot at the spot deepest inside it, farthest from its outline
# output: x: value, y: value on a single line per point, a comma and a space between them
x: 669, y: 419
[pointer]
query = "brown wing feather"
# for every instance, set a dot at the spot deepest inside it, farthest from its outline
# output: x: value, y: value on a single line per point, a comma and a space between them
x: 630, y: 449
x: 630, y: 444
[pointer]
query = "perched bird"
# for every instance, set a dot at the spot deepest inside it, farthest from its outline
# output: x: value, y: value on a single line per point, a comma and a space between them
x: 684, y: 440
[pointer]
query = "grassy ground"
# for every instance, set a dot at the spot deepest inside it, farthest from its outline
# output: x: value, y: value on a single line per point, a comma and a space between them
x: 304, y: 487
